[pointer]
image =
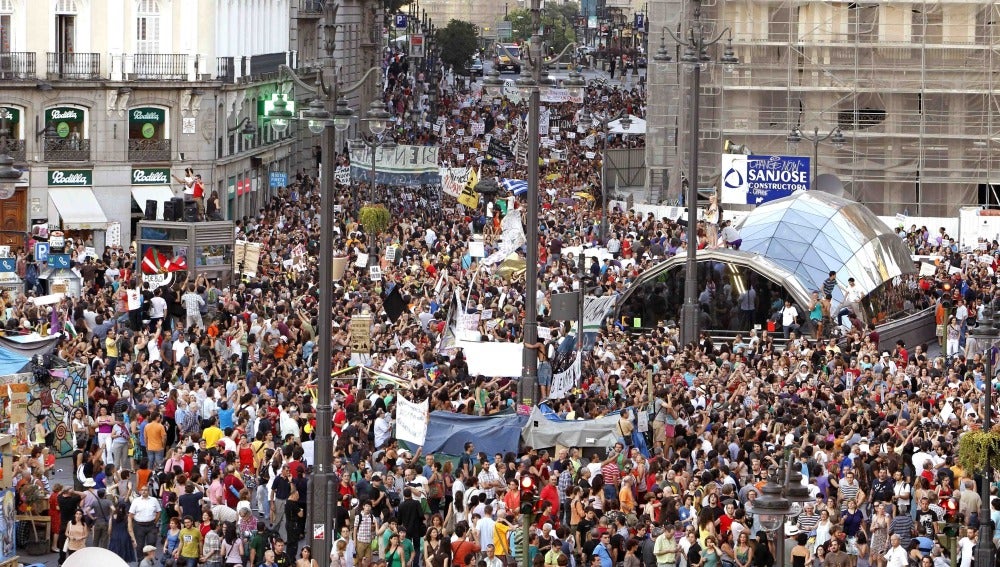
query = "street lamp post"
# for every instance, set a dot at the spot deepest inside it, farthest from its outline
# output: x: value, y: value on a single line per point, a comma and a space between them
x: 328, y: 113
x: 696, y: 45
x: 988, y: 334
x: 780, y: 501
x: 836, y: 137
x: 604, y: 121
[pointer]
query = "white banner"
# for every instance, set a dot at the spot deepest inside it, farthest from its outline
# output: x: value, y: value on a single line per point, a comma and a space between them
x: 411, y: 421
x: 595, y: 310
x: 512, y: 238
x: 557, y: 95
x: 467, y: 327
x: 566, y: 380
x: 453, y: 180
x: 342, y: 175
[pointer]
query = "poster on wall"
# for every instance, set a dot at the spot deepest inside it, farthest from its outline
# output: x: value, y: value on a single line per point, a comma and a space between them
x: 8, y: 525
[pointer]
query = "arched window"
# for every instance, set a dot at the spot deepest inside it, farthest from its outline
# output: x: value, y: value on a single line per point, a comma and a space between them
x: 147, y: 27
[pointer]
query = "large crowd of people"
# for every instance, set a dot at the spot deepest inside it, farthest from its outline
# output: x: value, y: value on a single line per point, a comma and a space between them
x: 195, y: 445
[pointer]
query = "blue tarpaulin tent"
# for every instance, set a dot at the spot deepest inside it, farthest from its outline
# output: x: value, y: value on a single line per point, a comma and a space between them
x: 11, y: 362
x: 447, y: 433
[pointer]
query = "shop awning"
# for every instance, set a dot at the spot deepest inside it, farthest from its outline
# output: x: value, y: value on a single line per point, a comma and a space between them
x: 78, y: 208
x: 158, y: 193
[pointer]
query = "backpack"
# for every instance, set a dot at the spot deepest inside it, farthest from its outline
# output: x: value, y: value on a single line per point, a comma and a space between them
x: 31, y: 274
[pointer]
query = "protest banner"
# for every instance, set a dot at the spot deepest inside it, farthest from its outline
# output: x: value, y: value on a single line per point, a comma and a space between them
x: 403, y: 165
x: 411, y: 421
x: 595, y: 310
x: 566, y: 380
x: 361, y: 335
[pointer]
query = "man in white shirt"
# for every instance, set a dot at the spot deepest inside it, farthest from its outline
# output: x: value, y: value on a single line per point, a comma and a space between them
x: 788, y: 315
x: 143, y: 513
x: 383, y: 429
x: 179, y: 345
x: 896, y: 556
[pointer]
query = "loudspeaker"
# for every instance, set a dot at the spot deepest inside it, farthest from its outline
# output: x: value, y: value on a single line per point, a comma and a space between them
x: 173, y: 210
x: 151, y: 208
x: 190, y: 211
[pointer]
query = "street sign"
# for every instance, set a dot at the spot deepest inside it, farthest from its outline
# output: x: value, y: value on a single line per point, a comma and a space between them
x: 640, y: 21
x: 42, y: 252
x: 8, y: 264
x: 319, y: 531
x: 417, y: 45
x: 278, y: 179
x: 505, y: 30
x: 59, y: 261
x: 401, y: 21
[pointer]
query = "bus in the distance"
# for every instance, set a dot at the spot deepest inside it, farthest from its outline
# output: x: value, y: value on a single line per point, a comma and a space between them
x: 507, y: 57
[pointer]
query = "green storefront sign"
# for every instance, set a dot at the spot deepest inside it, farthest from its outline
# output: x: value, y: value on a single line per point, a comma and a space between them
x: 62, y: 116
x: 12, y: 114
x: 71, y: 177
x: 146, y: 119
x: 152, y: 176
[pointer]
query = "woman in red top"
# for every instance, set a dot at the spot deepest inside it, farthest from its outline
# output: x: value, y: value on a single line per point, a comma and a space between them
x: 246, y: 455
x: 169, y: 413
x: 54, y: 516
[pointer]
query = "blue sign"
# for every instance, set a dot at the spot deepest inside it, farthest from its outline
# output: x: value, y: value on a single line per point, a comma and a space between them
x: 8, y: 264
x: 278, y: 179
x: 59, y: 261
x: 753, y: 180
x: 640, y: 21
x: 401, y: 21
x: 42, y: 252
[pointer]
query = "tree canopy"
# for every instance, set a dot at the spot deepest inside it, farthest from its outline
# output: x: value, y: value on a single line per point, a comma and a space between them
x: 557, y: 25
x: 457, y: 43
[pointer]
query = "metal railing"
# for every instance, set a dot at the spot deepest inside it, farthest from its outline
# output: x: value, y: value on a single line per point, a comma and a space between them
x: 16, y: 149
x: 225, y: 69
x: 19, y: 65
x: 160, y: 66
x: 142, y: 150
x: 311, y: 8
x: 67, y: 149
x: 82, y: 66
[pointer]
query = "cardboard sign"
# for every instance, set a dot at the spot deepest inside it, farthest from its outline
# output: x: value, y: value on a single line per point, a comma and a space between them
x: 375, y: 273
x: 361, y: 336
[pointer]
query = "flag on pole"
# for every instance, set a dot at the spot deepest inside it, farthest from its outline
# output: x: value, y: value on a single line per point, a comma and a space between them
x: 517, y: 187
x: 153, y: 262
x: 178, y: 264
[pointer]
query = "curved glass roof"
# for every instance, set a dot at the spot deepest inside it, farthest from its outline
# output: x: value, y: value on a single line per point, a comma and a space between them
x: 812, y: 233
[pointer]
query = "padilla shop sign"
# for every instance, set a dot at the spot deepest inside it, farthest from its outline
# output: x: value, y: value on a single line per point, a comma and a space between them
x: 71, y: 177
x: 145, y: 120
x: 151, y: 176
x: 64, y: 114
x: 13, y: 115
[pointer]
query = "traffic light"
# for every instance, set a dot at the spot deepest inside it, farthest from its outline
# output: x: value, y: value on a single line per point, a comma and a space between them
x: 529, y: 494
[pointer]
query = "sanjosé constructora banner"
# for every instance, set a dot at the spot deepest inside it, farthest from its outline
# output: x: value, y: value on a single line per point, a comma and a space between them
x: 753, y: 180
x: 401, y: 166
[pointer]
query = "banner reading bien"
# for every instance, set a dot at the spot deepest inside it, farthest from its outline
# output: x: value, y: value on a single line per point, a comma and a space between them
x: 400, y: 166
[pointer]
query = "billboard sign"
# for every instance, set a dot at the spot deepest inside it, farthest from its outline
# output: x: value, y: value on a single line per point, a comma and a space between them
x: 754, y: 180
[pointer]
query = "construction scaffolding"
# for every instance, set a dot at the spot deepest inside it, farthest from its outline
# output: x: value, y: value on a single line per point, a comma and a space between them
x: 911, y: 84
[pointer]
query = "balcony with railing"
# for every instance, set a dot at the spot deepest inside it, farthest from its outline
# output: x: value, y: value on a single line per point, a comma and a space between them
x: 67, y: 149
x: 74, y: 66
x: 243, y: 69
x: 310, y: 8
x: 146, y: 151
x: 18, y: 66
x: 15, y: 148
x: 159, y: 67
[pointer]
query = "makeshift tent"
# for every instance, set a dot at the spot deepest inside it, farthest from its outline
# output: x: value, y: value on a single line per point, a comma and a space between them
x: 447, y: 433
x: 546, y: 429
x: 543, y: 431
x: 636, y: 126
x: 29, y: 345
x: 11, y: 361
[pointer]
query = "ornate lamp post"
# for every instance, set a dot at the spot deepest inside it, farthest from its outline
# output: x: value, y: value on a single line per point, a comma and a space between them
x: 836, y: 137
x: 696, y: 44
x: 987, y: 334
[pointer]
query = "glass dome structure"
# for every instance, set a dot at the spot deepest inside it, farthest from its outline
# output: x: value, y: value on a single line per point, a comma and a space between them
x: 812, y: 233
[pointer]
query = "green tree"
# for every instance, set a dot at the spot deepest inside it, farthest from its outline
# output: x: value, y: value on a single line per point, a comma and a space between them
x: 394, y: 6
x: 557, y: 26
x: 457, y: 43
